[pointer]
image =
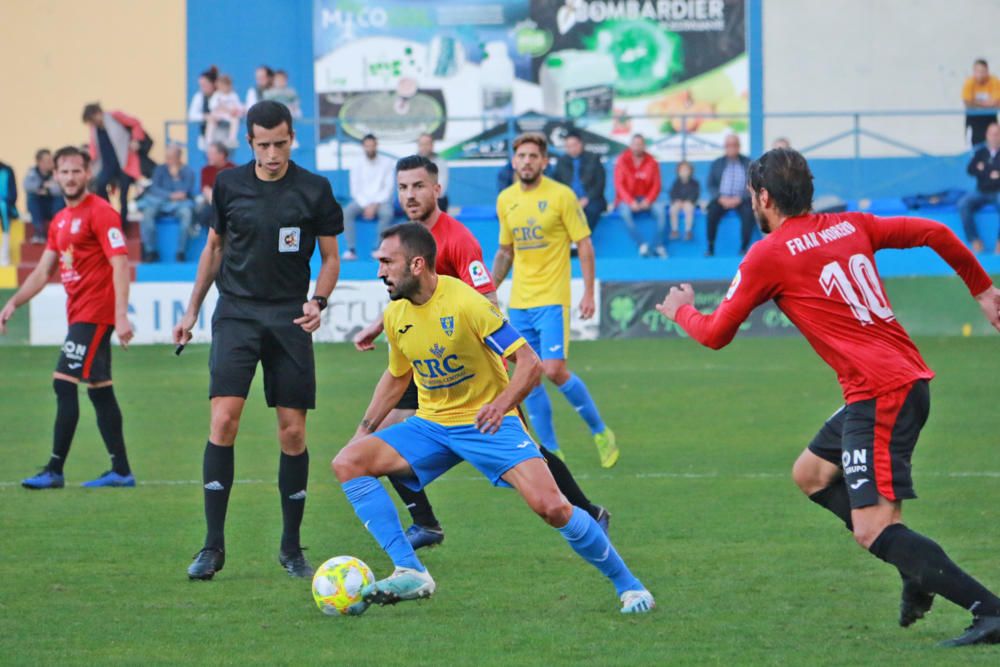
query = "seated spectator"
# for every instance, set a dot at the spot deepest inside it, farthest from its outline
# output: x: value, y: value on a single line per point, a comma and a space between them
x: 224, y: 113
x: 280, y: 91
x: 637, y: 187
x: 425, y: 148
x: 172, y: 193
x: 583, y: 172
x: 985, y: 168
x: 115, y: 140
x: 727, y: 188
x: 263, y: 78
x: 45, y: 197
x: 198, y: 110
x: 684, y: 195
x: 372, y: 190
x: 981, y: 92
x: 8, y: 209
x: 218, y: 160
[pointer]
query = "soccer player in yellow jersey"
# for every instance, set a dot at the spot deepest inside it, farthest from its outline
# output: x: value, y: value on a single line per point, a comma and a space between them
x: 451, y: 339
x: 539, y: 220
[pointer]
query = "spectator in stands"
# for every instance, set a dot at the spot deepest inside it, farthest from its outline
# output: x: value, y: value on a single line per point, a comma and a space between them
x: 684, y: 195
x: 583, y: 172
x: 637, y: 187
x: 506, y: 176
x: 781, y: 142
x: 425, y: 148
x: 225, y: 111
x: 218, y: 160
x: 727, y: 188
x: 263, y: 78
x: 8, y: 209
x: 115, y: 139
x: 985, y: 168
x: 198, y: 110
x: 45, y: 197
x: 280, y: 91
x: 981, y: 92
x: 172, y: 193
x: 372, y: 186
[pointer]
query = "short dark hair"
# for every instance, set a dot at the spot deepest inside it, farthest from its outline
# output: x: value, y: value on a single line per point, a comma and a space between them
x: 91, y: 110
x: 536, y: 138
x: 786, y: 176
x: 574, y: 134
x: 41, y: 152
x: 221, y: 147
x: 417, y: 241
x: 369, y: 136
x: 411, y: 162
x: 638, y: 135
x: 72, y: 151
x: 982, y: 61
x: 269, y: 114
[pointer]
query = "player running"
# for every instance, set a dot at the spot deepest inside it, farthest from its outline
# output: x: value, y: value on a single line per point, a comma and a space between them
x: 820, y: 270
x: 539, y: 220
x: 86, y: 239
x: 271, y: 214
x: 452, y: 340
x: 458, y: 256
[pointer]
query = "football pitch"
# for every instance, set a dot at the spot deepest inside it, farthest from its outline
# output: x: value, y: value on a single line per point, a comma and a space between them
x: 745, y: 570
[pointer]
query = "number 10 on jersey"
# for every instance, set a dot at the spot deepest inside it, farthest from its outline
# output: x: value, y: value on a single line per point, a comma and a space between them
x: 872, y: 301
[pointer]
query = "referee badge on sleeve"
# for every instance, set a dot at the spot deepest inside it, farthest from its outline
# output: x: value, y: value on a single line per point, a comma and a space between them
x: 288, y: 239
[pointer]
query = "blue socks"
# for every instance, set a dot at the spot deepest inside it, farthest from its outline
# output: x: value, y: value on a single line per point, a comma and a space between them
x: 540, y: 414
x: 588, y: 540
x: 374, y: 507
x: 576, y: 393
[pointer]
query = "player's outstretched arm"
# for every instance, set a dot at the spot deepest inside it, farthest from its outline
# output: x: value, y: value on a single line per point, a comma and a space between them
x: 388, y: 391
x: 120, y: 276
x: 208, y: 269
x: 718, y: 329
x: 502, y: 263
x: 527, y: 373
x: 585, y: 251
x: 31, y: 286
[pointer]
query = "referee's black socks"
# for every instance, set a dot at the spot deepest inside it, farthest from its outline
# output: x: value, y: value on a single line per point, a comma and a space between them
x: 67, y: 415
x: 923, y: 560
x: 217, y: 477
x: 293, y: 478
x: 109, y: 422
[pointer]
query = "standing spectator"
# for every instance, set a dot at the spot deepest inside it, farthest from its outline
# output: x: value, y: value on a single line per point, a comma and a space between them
x: 263, y: 78
x: 684, y: 195
x: 372, y: 185
x: 114, y: 149
x: 727, y: 187
x: 980, y: 92
x: 45, y: 197
x: 280, y: 91
x: 637, y: 186
x: 8, y: 210
x: 583, y: 172
x: 218, y: 160
x: 172, y: 193
x: 985, y: 168
x: 225, y: 111
x: 198, y: 110
x: 425, y: 148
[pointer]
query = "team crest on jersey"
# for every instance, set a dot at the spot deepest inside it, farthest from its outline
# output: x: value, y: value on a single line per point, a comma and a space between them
x: 542, y: 205
x: 74, y: 227
x: 437, y: 350
x: 289, y: 238
x: 448, y: 324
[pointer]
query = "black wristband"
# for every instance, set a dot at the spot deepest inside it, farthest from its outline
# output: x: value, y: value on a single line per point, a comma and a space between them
x: 321, y: 301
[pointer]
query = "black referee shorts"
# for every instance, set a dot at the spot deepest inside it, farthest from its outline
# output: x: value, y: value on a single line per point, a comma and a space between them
x: 246, y: 331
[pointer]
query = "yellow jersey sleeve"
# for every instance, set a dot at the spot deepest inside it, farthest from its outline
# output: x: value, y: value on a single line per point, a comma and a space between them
x: 573, y: 217
x: 491, y: 327
x: 506, y: 236
x: 399, y: 365
x: 967, y: 90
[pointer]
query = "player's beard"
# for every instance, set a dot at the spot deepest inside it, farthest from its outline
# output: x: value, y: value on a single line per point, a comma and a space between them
x: 404, y: 288
x: 762, y: 223
x: 529, y: 180
x: 75, y: 194
x: 423, y: 212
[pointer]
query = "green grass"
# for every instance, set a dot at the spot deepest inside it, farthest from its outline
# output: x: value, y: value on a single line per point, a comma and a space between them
x: 745, y: 570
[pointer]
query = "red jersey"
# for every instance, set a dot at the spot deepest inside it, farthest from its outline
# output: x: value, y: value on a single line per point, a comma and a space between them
x: 459, y: 254
x: 85, y: 237
x: 820, y: 271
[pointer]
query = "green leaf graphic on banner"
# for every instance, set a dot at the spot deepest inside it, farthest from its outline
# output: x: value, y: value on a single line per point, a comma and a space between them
x: 623, y: 310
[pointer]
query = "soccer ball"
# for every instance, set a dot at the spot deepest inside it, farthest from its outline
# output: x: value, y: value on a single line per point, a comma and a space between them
x: 337, y: 586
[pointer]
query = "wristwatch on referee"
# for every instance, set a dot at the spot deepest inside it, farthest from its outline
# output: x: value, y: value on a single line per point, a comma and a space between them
x: 320, y: 301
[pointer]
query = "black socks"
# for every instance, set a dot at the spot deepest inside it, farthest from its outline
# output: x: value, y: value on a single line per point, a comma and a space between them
x: 418, y: 505
x: 109, y: 422
x: 567, y: 484
x: 217, y: 476
x: 835, y: 499
x: 926, y: 563
x: 293, y: 477
x: 67, y: 415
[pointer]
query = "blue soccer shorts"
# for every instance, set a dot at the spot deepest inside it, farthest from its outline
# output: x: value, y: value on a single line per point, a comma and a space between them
x: 432, y: 449
x: 546, y: 328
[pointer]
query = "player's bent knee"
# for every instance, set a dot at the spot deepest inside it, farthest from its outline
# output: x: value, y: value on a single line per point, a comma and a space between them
x: 555, y: 370
x: 554, y: 510
x: 348, y: 464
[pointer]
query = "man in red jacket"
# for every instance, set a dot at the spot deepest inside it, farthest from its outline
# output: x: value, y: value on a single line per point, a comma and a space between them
x: 820, y: 270
x: 637, y: 187
x: 114, y: 151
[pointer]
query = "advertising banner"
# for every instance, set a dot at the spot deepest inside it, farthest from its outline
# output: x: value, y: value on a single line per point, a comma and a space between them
x: 460, y: 70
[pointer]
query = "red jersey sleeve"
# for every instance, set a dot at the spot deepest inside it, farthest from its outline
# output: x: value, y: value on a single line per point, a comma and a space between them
x: 907, y: 232
x: 467, y: 258
x: 107, y: 227
x: 753, y: 285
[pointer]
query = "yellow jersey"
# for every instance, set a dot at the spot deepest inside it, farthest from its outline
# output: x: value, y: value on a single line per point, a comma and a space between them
x: 987, y: 93
x: 454, y: 345
x: 540, y: 224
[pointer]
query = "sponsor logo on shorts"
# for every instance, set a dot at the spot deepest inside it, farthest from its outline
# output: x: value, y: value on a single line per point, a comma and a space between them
x: 555, y: 348
x: 448, y: 324
x: 858, y: 484
x: 74, y: 366
x: 74, y: 351
x: 289, y: 238
x: 115, y: 238
x: 855, y: 461
x: 478, y: 273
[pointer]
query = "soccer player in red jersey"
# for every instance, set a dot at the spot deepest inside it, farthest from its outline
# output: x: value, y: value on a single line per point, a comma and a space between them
x: 86, y: 239
x: 820, y: 270
x: 460, y: 256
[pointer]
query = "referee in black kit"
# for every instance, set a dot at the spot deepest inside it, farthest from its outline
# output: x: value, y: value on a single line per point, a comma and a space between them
x: 270, y: 215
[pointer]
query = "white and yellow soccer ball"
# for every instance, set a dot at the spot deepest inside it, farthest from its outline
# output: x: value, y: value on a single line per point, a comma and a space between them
x: 337, y: 585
